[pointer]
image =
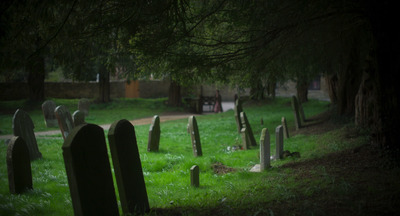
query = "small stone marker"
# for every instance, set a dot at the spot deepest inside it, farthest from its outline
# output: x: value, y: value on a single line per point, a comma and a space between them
x: 265, y: 150
x: 18, y: 166
x: 128, y: 168
x: 65, y: 121
x: 245, y: 139
x: 285, y: 128
x: 154, y: 135
x: 295, y: 107
x: 78, y: 118
x: 23, y: 126
x: 246, y: 124
x: 237, y: 108
x: 84, y: 105
x: 195, y: 176
x: 89, y: 173
x: 279, y: 142
x: 48, y: 108
x: 195, y: 136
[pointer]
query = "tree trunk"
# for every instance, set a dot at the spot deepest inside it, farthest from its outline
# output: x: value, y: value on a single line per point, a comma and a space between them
x: 349, y: 80
x: 174, y: 94
x: 36, y: 76
x: 257, y: 90
x: 302, y: 91
x: 387, y: 115
x: 104, y: 85
x: 271, y: 84
x: 332, y: 85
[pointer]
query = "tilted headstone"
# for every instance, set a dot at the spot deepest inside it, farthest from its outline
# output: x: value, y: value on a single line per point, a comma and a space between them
x: 285, y: 128
x: 128, y: 168
x: 48, y: 108
x: 23, y: 126
x: 195, y: 136
x: 78, y: 118
x: 154, y: 135
x: 295, y: 107
x: 279, y: 142
x: 246, y: 124
x: 84, y: 105
x: 18, y: 166
x: 245, y: 139
x: 237, y: 109
x: 265, y: 150
x: 195, y: 176
x: 65, y: 121
x: 89, y: 173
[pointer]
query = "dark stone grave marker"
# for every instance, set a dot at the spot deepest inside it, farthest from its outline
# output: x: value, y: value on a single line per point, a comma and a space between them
x: 195, y: 136
x: 22, y: 125
x: 195, y: 176
x: 285, y: 128
x: 265, y: 150
x: 18, y: 166
x: 84, y: 105
x: 128, y: 168
x: 237, y: 109
x: 295, y: 107
x: 154, y: 135
x: 65, y: 121
x: 279, y: 142
x: 48, y: 108
x: 246, y: 124
x: 78, y: 118
x: 89, y: 172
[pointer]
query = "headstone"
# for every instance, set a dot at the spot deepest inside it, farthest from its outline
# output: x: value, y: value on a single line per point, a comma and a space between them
x: 195, y: 176
x: 128, y: 168
x: 279, y: 142
x: 246, y: 124
x: 23, y: 126
x: 245, y: 139
x: 195, y: 136
x: 48, y: 108
x: 285, y: 128
x: 18, y: 166
x: 237, y: 109
x: 84, y: 105
x: 154, y: 135
x: 265, y: 149
x: 65, y: 121
x: 295, y: 107
x: 89, y: 173
x: 78, y: 118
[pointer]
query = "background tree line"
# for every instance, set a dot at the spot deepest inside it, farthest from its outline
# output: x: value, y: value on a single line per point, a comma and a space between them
x: 254, y: 44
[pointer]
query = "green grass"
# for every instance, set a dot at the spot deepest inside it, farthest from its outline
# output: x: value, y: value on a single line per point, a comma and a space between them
x: 166, y: 172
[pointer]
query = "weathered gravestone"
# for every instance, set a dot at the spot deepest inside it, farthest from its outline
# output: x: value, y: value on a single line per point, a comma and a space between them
x: 128, y: 168
x: 245, y: 139
x: 285, y: 128
x: 295, y: 107
x: 48, y: 108
x: 65, y: 121
x: 246, y: 124
x: 154, y: 135
x: 78, y: 118
x: 18, y: 166
x: 195, y: 136
x: 89, y: 173
x: 279, y: 142
x: 195, y: 176
x: 237, y: 109
x: 265, y: 149
x: 84, y: 105
x: 23, y: 126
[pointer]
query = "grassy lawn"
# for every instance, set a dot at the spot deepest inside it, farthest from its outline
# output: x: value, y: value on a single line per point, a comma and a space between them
x: 314, y: 184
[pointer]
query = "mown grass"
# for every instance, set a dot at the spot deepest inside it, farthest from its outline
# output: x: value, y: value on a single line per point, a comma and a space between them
x: 167, y: 174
